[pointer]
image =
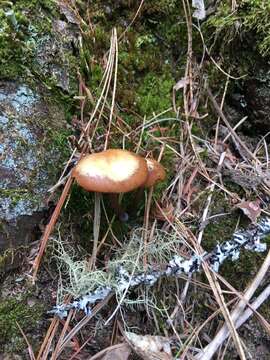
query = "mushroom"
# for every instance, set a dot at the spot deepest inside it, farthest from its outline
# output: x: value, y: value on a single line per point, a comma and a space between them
x: 111, y: 171
x: 117, y: 171
x: 114, y: 171
x: 156, y: 172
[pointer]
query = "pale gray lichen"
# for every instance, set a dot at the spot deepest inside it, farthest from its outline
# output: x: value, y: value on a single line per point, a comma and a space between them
x: 29, y: 159
x: 123, y: 280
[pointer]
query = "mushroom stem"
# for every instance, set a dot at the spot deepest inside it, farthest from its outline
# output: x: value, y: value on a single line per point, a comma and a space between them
x: 136, y: 201
x: 139, y: 195
x: 119, y: 212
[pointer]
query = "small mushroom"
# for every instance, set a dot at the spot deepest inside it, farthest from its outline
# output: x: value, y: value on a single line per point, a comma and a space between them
x: 114, y: 171
x: 156, y: 173
x: 117, y: 171
x: 111, y: 171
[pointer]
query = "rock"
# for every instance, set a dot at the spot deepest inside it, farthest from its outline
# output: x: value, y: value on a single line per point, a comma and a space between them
x: 253, y: 101
x: 257, y: 95
x: 55, y: 58
x: 29, y: 160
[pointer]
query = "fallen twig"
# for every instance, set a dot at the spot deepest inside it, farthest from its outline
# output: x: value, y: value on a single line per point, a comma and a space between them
x: 50, y: 227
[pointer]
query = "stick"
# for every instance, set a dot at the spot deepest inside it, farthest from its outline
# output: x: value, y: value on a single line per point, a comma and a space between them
x: 49, y: 228
x: 210, y: 349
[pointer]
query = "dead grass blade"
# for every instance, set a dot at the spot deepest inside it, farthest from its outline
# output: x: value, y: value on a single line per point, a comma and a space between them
x: 85, y: 132
x: 203, y: 219
x: 62, y: 335
x: 82, y: 323
x: 49, y: 228
x: 46, y: 345
x: 147, y: 214
x: 29, y: 347
x: 96, y: 229
x: 114, y: 352
x: 226, y: 122
x: 210, y: 349
x: 224, y: 309
x: 240, y: 296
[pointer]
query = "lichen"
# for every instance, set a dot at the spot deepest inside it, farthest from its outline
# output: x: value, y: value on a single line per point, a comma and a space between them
x: 240, y: 272
x: 29, y: 150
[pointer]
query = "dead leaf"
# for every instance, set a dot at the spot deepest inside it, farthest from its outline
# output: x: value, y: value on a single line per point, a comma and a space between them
x: 150, y: 347
x: 164, y: 212
x: 119, y: 353
x: 251, y: 209
x: 181, y: 84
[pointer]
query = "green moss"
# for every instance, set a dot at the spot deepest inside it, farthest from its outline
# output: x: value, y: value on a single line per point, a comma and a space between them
x: 256, y: 18
x: 14, y: 194
x: 161, y: 8
x: 58, y: 140
x: 251, y: 18
x: 220, y: 228
x: 12, y: 257
x: 80, y: 211
x: 239, y: 273
x: 14, y: 51
x: 13, y: 311
x: 153, y: 95
x: 20, y: 26
x: 145, y: 79
x: 219, y: 231
x: 24, y: 25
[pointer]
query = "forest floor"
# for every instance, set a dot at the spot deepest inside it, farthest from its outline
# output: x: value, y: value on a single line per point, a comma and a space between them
x: 151, y: 79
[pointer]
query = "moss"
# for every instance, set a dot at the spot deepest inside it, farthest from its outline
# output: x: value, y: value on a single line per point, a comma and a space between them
x: 80, y: 211
x: 239, y: 273
x: 144, y: 52
x: 11, y: 258
x: 219, y: 231
x: 153, y: 95
x: 58, y: 140
x: 14, y: 194
x: 13, y: 311
x: 24, y: 25
x: 221, y: 228
x: 19, y: 29
x: 251, y: 18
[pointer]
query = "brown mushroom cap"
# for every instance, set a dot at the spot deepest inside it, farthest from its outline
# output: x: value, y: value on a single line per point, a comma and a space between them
x: 111, y: 171
x: 156, y: 172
